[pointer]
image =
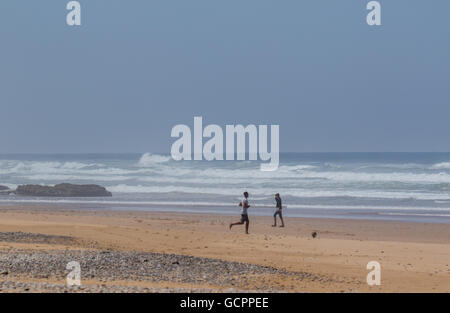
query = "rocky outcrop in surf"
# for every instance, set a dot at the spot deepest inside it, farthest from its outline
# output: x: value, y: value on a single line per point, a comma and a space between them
x: 63, y: 190
x: 4, y: 190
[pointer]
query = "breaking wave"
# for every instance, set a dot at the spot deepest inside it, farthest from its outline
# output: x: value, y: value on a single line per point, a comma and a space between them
x: 443, y: 165
x: 149, y: 159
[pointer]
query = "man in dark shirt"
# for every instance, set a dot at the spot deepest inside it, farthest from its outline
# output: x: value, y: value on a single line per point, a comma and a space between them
x: 278, y: 211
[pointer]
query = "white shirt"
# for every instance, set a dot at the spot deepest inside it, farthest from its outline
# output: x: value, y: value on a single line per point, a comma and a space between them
x: 244, y: 206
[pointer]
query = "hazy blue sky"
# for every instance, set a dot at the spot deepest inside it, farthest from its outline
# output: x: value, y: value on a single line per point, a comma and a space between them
x: 134, y: 69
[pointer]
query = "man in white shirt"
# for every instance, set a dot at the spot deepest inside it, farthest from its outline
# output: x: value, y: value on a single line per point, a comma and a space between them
x: 244, y: 216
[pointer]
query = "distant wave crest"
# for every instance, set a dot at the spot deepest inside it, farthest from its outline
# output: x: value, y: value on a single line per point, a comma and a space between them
x: 443, y: 165
x: 149, y: 159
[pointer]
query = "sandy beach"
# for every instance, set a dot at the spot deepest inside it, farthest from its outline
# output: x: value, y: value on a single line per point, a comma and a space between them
x: 123, y: 251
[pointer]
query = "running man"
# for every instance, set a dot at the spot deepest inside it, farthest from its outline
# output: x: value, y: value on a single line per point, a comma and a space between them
x: 244, y: 216
x: 278, y: 211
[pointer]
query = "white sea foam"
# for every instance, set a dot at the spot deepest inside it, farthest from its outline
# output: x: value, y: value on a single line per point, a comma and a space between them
x: 156, y: 174
x: 263, y: 192
x: 123, y: 188
x: 149, y: 159
x: 151, y: 166
x: 379, y: 177
x: 17, y: 167
x: 290, y: 208
x: 366, y: 208
x: 299, y: 167
x: 416, y: 214
x: 400, y: 166
x: 443, y: 165
x: 37, y: 178
x: 305, y: 171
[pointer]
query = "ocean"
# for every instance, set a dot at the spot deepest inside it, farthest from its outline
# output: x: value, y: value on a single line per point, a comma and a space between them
x: 384, y: 186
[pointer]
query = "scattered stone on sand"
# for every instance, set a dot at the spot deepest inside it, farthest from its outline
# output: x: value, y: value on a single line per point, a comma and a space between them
x: 111, y: 267
x: 33, y: 287
x: 35, y: 238
x: 63, y: 190
x: 314, y: 234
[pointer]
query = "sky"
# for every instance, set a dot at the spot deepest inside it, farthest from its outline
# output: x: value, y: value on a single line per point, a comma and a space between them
x: 134, y: 69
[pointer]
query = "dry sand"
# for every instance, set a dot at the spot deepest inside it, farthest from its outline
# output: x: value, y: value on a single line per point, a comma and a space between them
x: 414, y: 257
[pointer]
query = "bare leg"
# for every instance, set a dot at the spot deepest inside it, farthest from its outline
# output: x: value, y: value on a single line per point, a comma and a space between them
x: 246, y: 227
x: 282, y: 222
x: 237, y: 223
x: 274, y: 221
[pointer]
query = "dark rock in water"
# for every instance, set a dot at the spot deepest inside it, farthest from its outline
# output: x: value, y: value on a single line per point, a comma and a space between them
x: 5, y: 190
x: 63, y: 190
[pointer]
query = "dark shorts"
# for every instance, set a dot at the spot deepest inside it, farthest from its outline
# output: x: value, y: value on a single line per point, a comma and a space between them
x: 278, y: 212
x: 244, y: 218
